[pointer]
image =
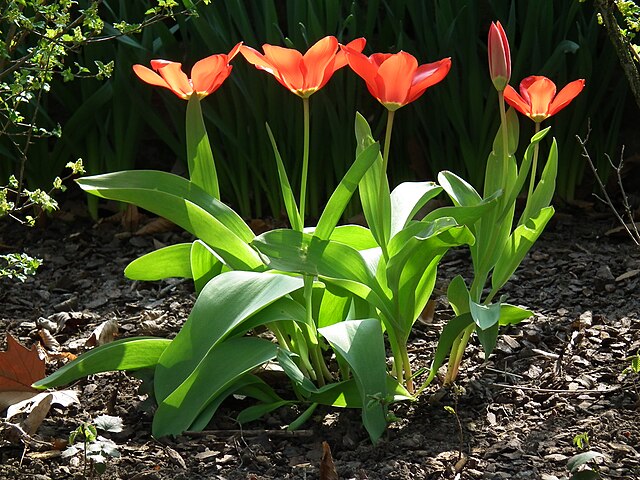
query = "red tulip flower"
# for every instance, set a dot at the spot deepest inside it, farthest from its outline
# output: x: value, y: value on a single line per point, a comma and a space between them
x: 302, y: 74
x: 206, y: 75
x: 538, y: 100
x: 396, y: 79
x: 499, y: 56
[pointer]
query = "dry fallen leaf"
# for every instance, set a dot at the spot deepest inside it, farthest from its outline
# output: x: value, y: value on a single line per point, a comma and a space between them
x: 327, y: 467
x: 104, y: 333
x: 157, y: 225
x: 20, y: 367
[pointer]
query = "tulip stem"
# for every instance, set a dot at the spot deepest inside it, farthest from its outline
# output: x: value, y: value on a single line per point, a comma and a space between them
x: 305, y: 160
x: 505, y: 145
x: 387, y: 140
x: 534, y: 164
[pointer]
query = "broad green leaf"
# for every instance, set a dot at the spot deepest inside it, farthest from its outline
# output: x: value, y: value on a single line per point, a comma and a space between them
x: 450, y: 333
x: 361, y: 344
x: 217, y: 370
x: 355, y: 236
x: 344, y: 191
x: 205, y: 264
x: 374, y: 188
x: 248, y: 385
x: 345, y: 394
x: 126, y: 354
x: 186, y: 205
x: 544, y: 190
x: 202, y: 168
x: 255, y: 412
x: 333, y: 308
x: 364, y: 292
x: 285, y: 187
x: 142, y: 185
x: 406, y: 199
x: 488, y: 338
x: 499, y: 159
x: 518, y: 244
x: 225, y: 302
x: 581, y: 458
x: 413, y: 264
x: 511, y: 314
x: 292, y: 371
x: 302, y: 419
x: 458, y: 295
x: 297, y: 252
x: 460, y: 192
x: 485, y: 316
x: 525, y: 166
x: 468, y: 215
x: 166, y: 262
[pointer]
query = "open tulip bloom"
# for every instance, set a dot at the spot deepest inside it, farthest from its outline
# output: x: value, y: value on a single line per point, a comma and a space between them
x: 206, y: 75
x: 302, y: 74
x: 339, y: 292
x: 538, y: 100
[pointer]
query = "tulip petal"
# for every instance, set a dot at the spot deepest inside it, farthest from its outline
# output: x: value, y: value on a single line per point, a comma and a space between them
x: 514, y: 99
x: 174, y: 76
x: 318, y: 60
x: 149, y: 76
x: 396, y: 73
x: 287, y: 63
x: 541, y: 92
x: 566, y: 95
x: 364, y: 68
x: 234, y: 51
x: 205, y: 73
x: 427, y: 76
x: 341, y: 57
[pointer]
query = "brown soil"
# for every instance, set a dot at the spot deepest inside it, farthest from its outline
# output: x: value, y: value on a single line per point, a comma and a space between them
x: 550, y: 378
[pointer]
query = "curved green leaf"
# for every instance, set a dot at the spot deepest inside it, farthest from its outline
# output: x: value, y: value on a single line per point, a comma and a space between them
x: 202, y: 167
x: 450, y: 333
x: 126, y: 354
x: 361, y: 344
x: 186, y: 205
x: 292, y: 251
x: 205, y: 264
x: 225, y: 302
x: 220, y: 367
x: 295, y: 219
x: 458, y: 189
x: 355, y: 236
x: 166, y: 262
x: 518, y: 244
x: 406, y: 199
x: 344, y: 191
x: 376, y: 207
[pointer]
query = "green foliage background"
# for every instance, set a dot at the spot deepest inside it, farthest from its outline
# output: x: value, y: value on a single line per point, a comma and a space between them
x: 120, y: 123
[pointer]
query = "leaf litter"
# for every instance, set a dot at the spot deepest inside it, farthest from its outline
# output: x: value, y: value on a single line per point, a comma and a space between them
x: 551, y: 378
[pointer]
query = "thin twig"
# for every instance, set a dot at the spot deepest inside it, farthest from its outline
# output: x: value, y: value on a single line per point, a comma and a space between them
x: 251, y: 433
x: 607, y: 199
x: 559, y: 391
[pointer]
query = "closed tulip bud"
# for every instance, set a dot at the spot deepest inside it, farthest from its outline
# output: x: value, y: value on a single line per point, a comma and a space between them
x: 499, y: 57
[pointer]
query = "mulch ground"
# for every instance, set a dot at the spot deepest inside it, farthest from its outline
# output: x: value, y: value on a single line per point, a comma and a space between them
x: 550, y: 378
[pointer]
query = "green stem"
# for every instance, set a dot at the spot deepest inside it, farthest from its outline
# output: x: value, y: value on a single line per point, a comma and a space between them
x: 505, y: 144
x: 534, y: 165
x: 305, y: 160
x: 383, y: 174
x: 313, y: 345
x: 406, y: 365
x: 457, y: 351
x: 387, y: 140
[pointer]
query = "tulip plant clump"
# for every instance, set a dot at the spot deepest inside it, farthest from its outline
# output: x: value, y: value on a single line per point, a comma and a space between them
x: 336, y: 298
